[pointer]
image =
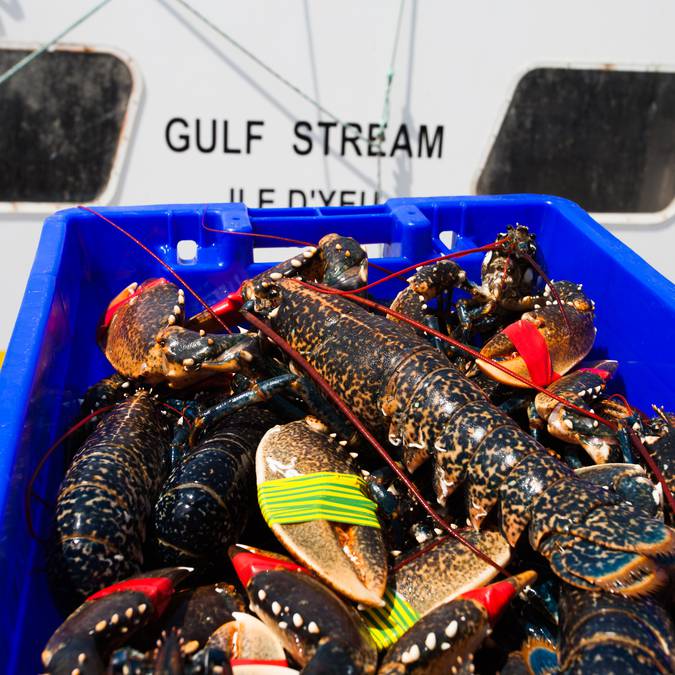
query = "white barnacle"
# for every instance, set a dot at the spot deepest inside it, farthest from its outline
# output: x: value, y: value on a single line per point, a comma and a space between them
x: 261, y: 595
x: 569, y: 424
x: 445, y: 645
x: 308, y: 254
x: 275, y: 276
x: 312, y: 628
x: 430, y: 641
x: 296, y: 263
x: 176, y: 309
x: 297, y: 620
x: 283, y: 625
x: 188, y: 362
x: 276, y: 608
x: 171, y: 320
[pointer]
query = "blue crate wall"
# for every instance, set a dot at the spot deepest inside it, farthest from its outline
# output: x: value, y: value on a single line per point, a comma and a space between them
x: 82, y: 263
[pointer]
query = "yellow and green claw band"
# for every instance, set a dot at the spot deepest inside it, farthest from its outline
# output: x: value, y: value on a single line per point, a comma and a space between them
x: 387, y: 624
x: 326, y: 495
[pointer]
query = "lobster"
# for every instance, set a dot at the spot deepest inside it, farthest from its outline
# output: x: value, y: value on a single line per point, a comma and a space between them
x: 204, y: 505
x: 105, y: 500
x: 400, y: 385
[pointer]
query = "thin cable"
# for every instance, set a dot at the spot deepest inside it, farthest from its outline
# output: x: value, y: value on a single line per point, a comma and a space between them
x: 20, y: 65
x: 278, y: 76
x: 384, y: 122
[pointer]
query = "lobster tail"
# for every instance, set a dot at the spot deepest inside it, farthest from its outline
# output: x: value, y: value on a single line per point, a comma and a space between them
x: 593, y: 540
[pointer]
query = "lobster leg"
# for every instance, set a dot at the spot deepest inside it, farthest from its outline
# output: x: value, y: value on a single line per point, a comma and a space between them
x: 429, y: 282
x: 259, y: 393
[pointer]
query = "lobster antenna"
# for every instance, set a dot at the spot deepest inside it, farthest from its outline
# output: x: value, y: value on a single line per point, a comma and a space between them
x: 405, y: 270
x: 298, y: 242
x: 29, y: 488
x: 554, y: 291
x: 160, y: 261
x: 637, y: 443
x: 347, y: 412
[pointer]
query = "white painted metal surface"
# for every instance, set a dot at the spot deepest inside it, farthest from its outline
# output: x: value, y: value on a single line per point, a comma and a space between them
x: 456, y: 68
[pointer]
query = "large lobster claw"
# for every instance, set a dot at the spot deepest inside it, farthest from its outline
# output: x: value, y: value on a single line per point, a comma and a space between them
x: 311, y: 622
x: 447, y: 637
x: 143, y: 337
x: 108, y: 618
x: 349, y: 557
x: 545, y: 343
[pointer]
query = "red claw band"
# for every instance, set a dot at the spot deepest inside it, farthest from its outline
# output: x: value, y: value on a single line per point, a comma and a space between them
x: 531, y: 345
x: 248, y: 562
x: 496, y: 596
x: 604, y: 374
x: 229, y: 306
x: 112, y: 309
x: 158, y: 590
x: 257, y: 662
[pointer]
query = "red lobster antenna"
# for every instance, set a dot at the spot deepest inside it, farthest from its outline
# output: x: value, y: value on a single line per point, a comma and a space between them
x: 29, y: 488
x: 289, y: 240
x: 160, y: 261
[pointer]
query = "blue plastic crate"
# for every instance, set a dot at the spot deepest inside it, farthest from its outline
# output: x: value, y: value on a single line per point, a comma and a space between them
x: 82, y: 262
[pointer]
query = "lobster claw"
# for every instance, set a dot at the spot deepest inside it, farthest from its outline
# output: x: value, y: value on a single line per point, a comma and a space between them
x: 108, y: 618
x: 305, y: 616
x: 349, y: 557
x: 447, y: 637
x: 544, y: 343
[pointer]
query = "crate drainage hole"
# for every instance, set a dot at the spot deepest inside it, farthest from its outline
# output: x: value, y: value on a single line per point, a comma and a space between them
x: 186, y: 251
x: 448, y: 237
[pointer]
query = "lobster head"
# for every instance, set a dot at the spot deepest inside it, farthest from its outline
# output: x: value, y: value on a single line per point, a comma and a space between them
x: 143, y: 337
x: 506, y: 271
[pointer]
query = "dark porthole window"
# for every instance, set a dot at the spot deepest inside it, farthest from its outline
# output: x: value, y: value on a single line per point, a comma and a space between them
x: 61, y: 120
x: 603, y: 138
